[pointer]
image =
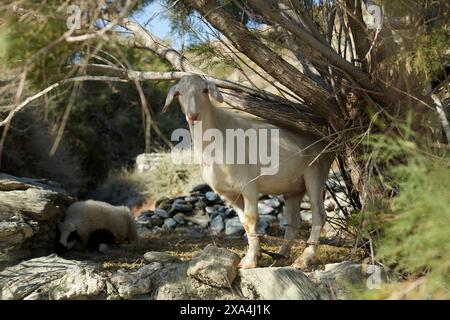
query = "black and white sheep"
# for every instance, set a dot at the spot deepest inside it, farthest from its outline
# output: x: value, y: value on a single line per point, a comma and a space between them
x: 92, y: 223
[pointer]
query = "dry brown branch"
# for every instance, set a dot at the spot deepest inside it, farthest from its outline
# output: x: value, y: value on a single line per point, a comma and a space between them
x: 242, y: 39
x: 50, y: 88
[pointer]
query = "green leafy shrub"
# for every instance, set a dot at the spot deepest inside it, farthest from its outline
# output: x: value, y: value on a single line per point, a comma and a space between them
x: 414, y: 229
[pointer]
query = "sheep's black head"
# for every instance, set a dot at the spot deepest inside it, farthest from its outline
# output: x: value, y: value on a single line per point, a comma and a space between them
x: 193, y: 93
x: 60, y: 248
x: 68, y: 236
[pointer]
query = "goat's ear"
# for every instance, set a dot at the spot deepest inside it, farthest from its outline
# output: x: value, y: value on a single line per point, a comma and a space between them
x: 173, y: 92
x: 214, y: 92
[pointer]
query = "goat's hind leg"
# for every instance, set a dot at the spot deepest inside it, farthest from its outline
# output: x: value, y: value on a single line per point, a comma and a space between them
x: 291, y: 221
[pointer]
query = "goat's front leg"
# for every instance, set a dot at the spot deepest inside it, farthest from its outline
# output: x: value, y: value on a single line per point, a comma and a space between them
x: 314, y: 181
x: 249, y: 219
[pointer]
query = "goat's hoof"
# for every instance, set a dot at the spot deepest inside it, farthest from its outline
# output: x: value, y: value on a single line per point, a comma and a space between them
x: 300, y: 264
x: 247, y: 263
x: 304, y: 261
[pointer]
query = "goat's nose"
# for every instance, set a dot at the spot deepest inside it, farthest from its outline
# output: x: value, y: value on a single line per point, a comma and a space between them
x: 191, y: 117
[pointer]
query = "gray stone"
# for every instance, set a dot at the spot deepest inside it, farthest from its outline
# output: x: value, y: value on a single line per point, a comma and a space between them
x: 13, y: 228
x: 201, y: 188
x: 262, y: 227
x: 199, y: 220
x: 170, y: 223
x: 214, y: 266
x: 157, y: 221
x: 339, y: 280
x: 146, y: 222
x: 134, y: 284
x: 200, y: 204
x: 217, y: 225
x: 213, y: 215
x: 264, y: 209
x: 180, y: 207
x: 210, y: 210
x: 146, y: 214
x: 212, y: 196
x: 51, y: 278
x: 161, y: 257
x: 30, y: 210
x: 179, y: 218
x: 277, y: 284
x: 162, y: 213
x: 305, y: 205
x: 173, y: 283
x: 190, y: 199
x: 179, y: 201
x: 38, y: 202
x: 228, y: 213
x: 306, y: 215
x: 234, y: 227
x: 268, y: 219
x: 272, y: 202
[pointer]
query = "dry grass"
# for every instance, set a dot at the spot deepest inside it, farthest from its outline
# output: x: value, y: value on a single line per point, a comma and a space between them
x: 140, y: 190
x: 186, y: 242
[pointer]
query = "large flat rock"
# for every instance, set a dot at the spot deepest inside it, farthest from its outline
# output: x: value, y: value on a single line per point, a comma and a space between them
x: 277, y: 284
x: 30, y: 210
x: 51, y: 278
x: 214, y: 266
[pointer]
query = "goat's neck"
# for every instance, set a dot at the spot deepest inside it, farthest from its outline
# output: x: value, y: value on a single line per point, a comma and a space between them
x: 212, y: 117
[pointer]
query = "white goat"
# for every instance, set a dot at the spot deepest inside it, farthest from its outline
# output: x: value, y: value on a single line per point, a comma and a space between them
x: 303, y: 166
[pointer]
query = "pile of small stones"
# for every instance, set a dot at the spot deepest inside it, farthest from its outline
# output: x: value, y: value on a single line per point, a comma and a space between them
x: 205, y: 208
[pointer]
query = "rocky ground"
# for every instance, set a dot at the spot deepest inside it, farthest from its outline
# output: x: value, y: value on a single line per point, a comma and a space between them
x: 189, y: 249
x: 211, y: 273
x: 206, y: 209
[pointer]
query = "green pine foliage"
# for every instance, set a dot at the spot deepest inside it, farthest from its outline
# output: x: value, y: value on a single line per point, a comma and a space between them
x: 414, y: 228
x: 105, y: 128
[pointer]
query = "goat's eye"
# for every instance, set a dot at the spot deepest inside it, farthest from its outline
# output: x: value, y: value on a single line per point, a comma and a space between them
x: 205, y: 90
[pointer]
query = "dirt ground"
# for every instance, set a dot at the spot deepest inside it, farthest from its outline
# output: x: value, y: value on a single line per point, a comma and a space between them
x: 185, y: 242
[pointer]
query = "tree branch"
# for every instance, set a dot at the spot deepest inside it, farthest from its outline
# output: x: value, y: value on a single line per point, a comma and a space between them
x: 271, y: 10
x: 314, y: 95
x: 28, y: 100
x: 155, y: 44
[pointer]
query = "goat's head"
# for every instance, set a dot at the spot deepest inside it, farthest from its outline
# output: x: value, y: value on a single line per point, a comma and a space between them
x: 193, y: 93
